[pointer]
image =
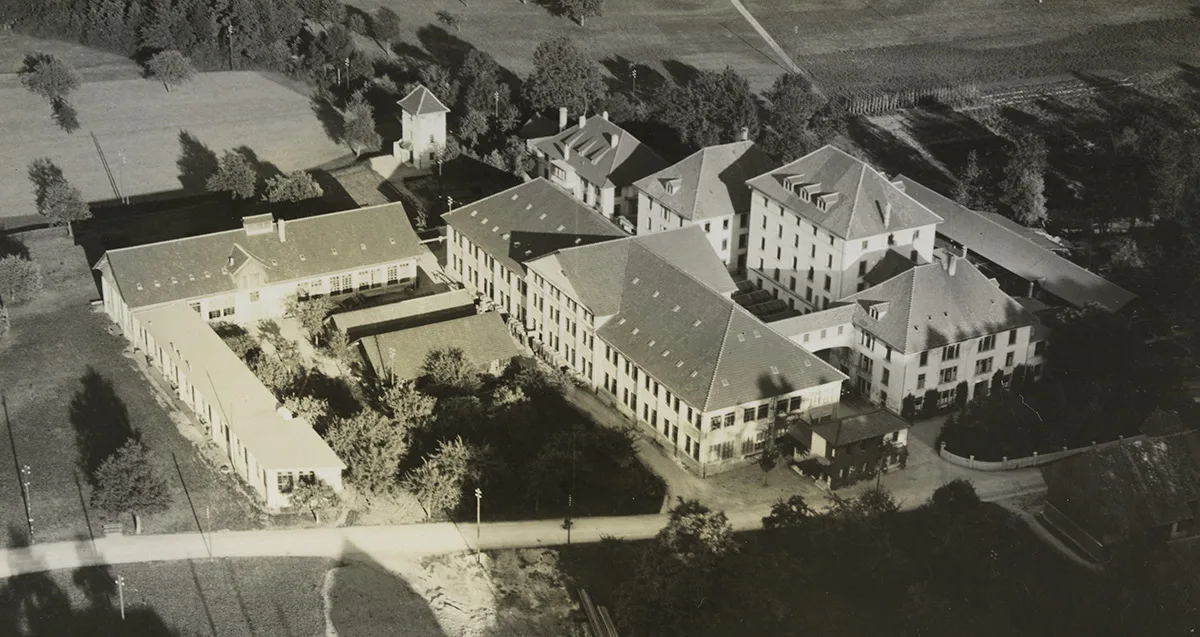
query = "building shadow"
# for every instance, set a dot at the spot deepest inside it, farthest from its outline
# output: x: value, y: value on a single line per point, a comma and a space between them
x: 100, y: 419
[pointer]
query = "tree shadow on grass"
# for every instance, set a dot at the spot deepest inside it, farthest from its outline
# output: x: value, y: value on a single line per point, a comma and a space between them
x: 681, y: 72
x: 330, y: 118
x: 35, y: 605
x: 100, y: 419
x: 649, y: 79
x: 893, y: 156
x: 10, y: 245
x: 197, y: 162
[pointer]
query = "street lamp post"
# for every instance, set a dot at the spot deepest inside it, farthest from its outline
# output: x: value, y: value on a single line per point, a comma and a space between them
x: 478, y: 517
x: 121, y: 593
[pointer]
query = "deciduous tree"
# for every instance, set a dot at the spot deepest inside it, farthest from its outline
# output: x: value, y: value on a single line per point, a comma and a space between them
x: 386, y: 25
x: 968, y: 191
x: 49, y: 76
x: 310, y: 408
x: 372, y: 446
x: 359, y: 126
x: 563, y: 76
x: 449, y: 370
x: 439, y: 482
x: 127, y: 482
x: 316, y: 497
x: 791, y: 514
x: 712, y: 108
x: 234, y: 175
x: 171, y: 68
x: 405, y: 403
x: 789, y: 127
x: 292, y: 187
x: 1024, y: 186
x: 311, y: 314
x: 20, y: 279
x: 450, y: 19
x: 57, y: 200
x: 581, y: 10
x: 695, y: 532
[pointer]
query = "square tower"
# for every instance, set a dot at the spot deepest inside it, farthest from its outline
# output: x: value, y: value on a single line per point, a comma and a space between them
x: 423, y: 118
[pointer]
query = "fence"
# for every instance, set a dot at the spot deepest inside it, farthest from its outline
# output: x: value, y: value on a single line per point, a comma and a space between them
x: 880, y: 101
x: 1035, y: 460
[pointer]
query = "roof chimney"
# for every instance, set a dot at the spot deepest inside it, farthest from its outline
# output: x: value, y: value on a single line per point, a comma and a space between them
x: 952, y: 264
x: 887, y: 214
x: 562, y: 118
x: 613, y: 139
x: 282, y: 226
x: 604, y: 115
x: 230, y: 261
x: 744, y: 134
x: 582, y: 120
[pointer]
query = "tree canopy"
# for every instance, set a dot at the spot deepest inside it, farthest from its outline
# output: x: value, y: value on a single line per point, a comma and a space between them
x: 49, y: 76
x: 449, y: 371
x: 711, y: 108
x: 358, y: 126
x: 440, y: 480
x: 127, y: 482
x: 56, y: 199
x: 372, y: 446
x: 292, y: 187
x: 171, y: 68
x: 563, y: 76
x: 793, y: 124
x: 1023, y: 188
x: 235, y: 176
x: 386, y: 25
x: 20, y: 279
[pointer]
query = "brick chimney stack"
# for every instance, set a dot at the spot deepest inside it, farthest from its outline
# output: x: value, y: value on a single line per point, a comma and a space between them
x: 562, y: 118
x: 281, y: 225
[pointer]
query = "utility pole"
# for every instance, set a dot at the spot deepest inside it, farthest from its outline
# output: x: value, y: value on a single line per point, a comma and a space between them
x: 124, y: 197
x: 121, y: 593
x: 25, y: 473
x: 496, y: 104
x: 347, y: 73
x: 478, y: 519
x: 229, y: 32
x: 633, y: 72
x: 571, y: 493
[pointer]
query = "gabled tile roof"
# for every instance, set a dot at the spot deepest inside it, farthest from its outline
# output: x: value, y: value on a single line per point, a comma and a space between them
x: 596, y: 273
x: 928, y: 308
x: 248, y: 407
x: 892, y: 264
x: 528, y: 221
x: 592, y: 154
x: 482, y: 337
x: 385, y: 318
x: 197, y: 267
x: 689, y: 336
x: 856, y: 194
x: 1130, y: 488
x: 710, y: 182
x: 422, y: 101
x: 1016, y: 252
x: 834, y: 315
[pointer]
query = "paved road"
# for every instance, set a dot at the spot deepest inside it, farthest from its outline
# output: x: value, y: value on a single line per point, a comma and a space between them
x: 786, y: 60
x: 382, y: 543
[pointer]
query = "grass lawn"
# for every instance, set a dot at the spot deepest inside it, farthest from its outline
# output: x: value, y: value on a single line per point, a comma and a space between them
x: 254, y: 597
x: 55, y: 341
x: 92, y: 64
x: 130, y: 136
x: 909, y: 43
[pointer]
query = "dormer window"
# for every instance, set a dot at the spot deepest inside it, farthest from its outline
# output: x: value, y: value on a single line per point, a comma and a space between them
x: 672, y: 185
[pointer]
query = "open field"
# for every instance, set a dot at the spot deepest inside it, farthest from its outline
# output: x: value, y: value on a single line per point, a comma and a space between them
x: 706, y: 34
x: 137, y: 127
x: 911, y: 43
x: 66, y: 381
